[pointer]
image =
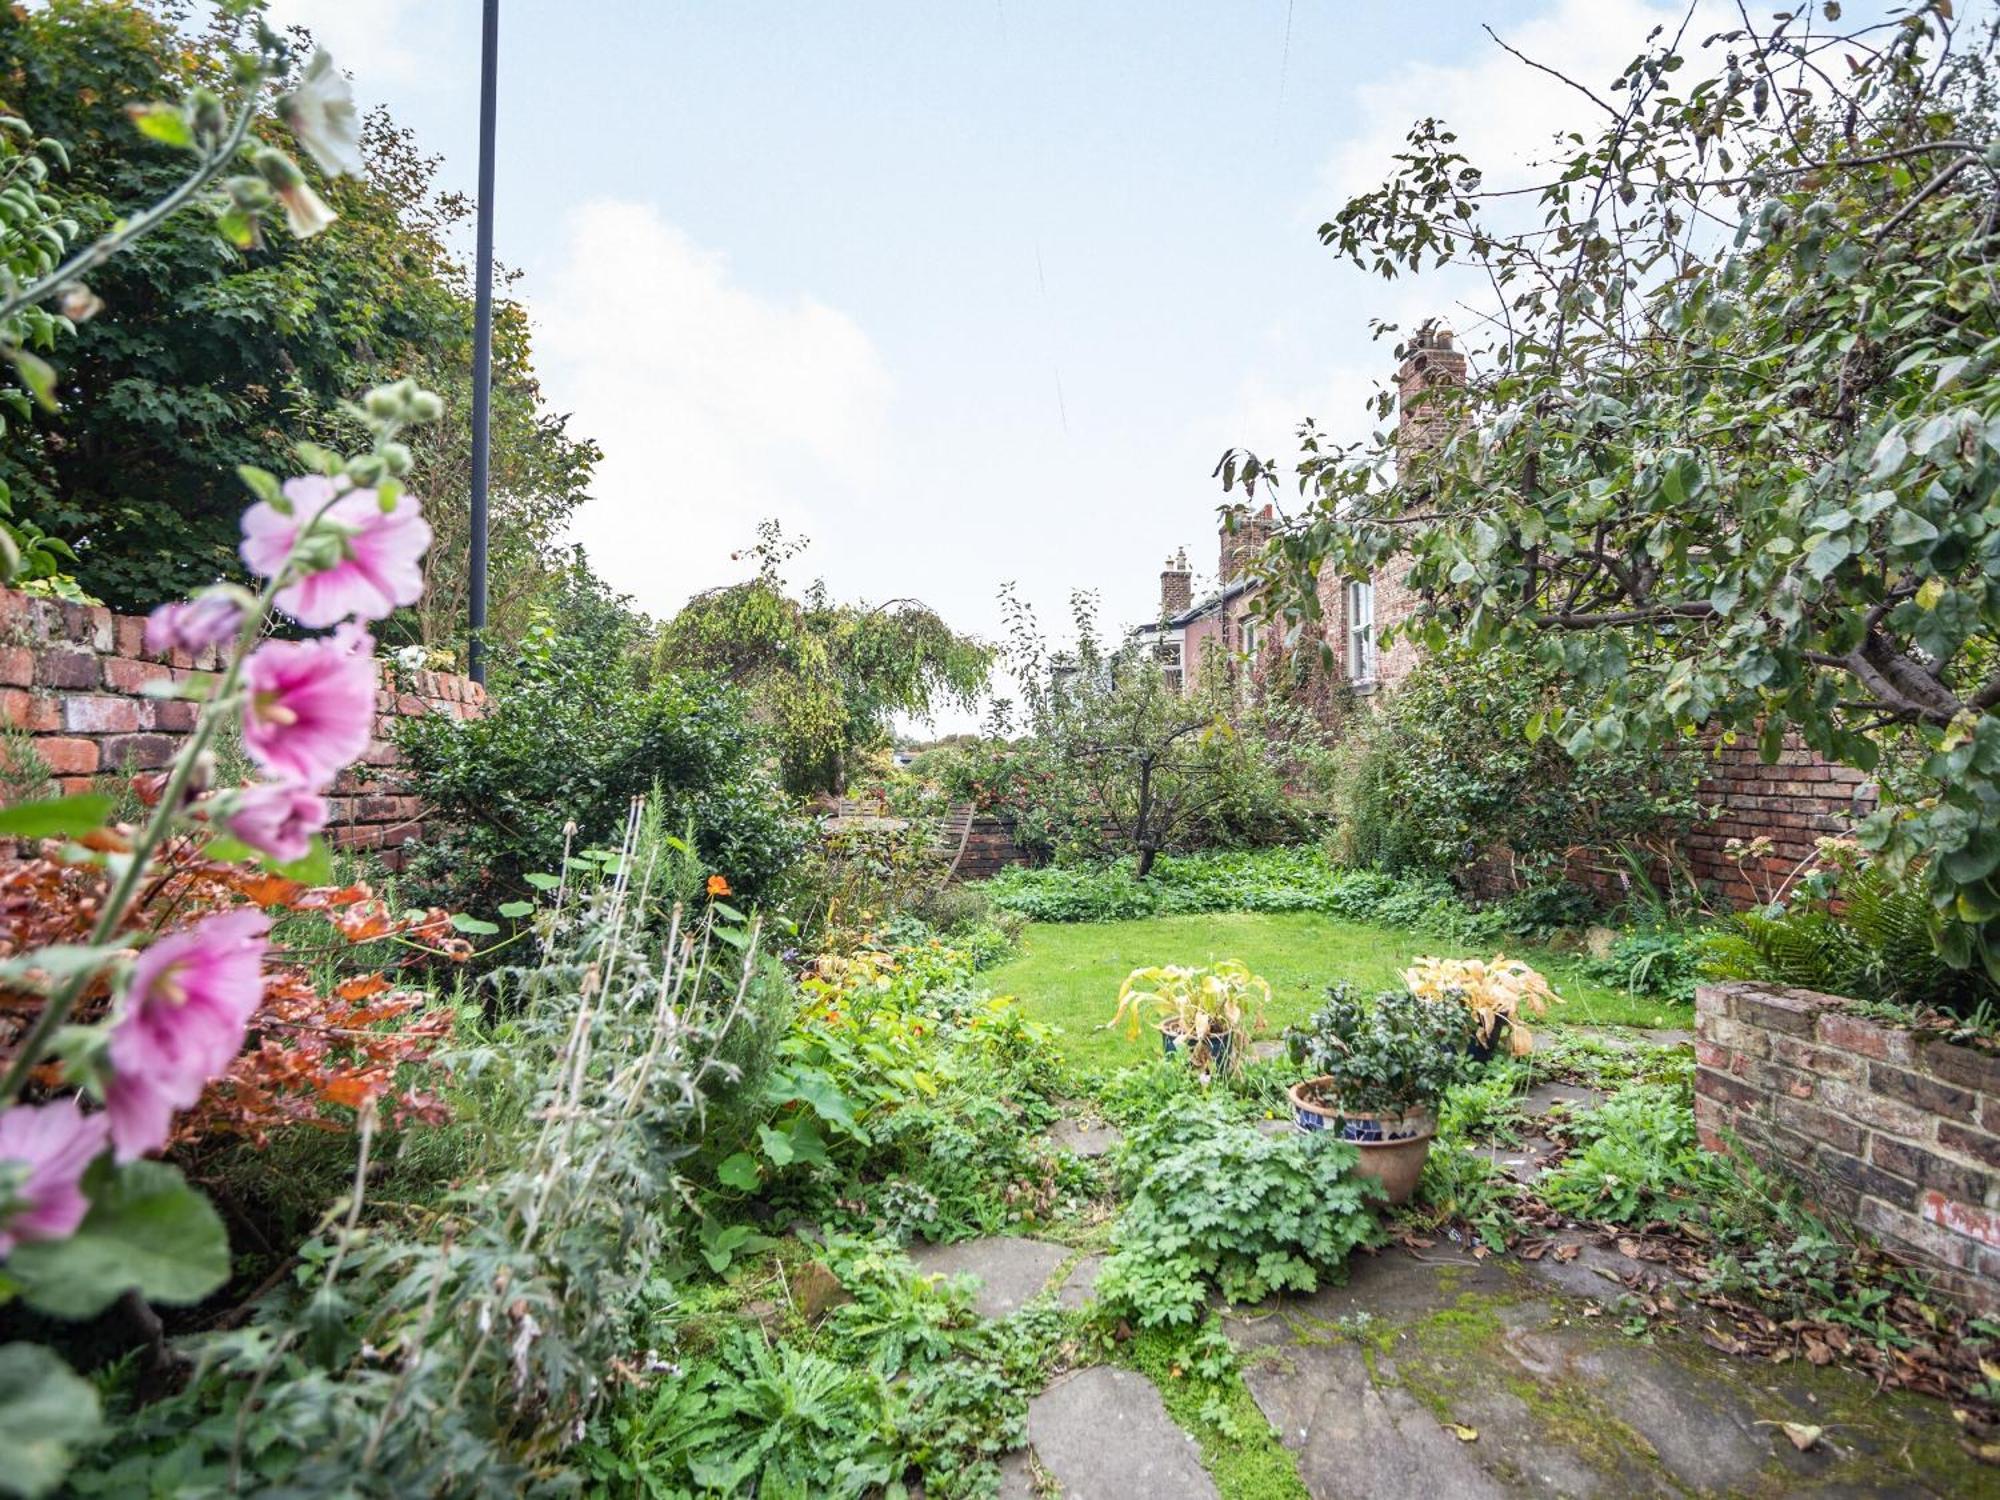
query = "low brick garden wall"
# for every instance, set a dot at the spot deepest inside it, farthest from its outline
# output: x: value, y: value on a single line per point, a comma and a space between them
x: 73, y: 677
x: 1894, y: 1130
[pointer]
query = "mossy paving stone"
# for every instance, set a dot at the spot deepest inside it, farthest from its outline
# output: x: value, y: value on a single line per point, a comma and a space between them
x: 1370, y: 1382
x: 1079, y: 1288
x: 1011, y: 1271
x: 1104, y: 1434
x: 1087, y: 1138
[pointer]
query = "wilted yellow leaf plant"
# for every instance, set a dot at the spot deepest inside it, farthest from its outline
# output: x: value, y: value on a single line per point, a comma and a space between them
x: 1197, y: 1006
x: 1494, y: 990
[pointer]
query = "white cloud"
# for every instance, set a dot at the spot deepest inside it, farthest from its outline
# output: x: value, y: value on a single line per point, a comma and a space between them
x: 375, y: 40
x: 1506, y: 116
x: 1504, y: 112
x: 715, y: 406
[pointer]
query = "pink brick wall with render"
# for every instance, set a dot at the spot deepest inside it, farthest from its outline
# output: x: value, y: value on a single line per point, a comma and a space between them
x: 1893, y: 1130
x: 73, y: 677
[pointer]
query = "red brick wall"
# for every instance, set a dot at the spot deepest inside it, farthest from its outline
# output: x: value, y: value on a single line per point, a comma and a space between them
x: 989, y: 849
x: 1796, y: 800
x: 1895, y: 1131
x: 73, y: 677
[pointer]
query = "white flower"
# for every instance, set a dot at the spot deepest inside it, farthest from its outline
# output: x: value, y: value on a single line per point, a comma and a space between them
x: 322, y: 115
x: 410, y: 658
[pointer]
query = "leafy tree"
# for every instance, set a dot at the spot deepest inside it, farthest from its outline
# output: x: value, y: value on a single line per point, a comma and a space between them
x: 1731, y: 454
x: 212, y: 354
x: 829, y: 677
x: 1138, y: 765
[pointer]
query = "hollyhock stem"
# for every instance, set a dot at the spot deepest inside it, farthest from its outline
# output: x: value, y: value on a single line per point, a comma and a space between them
x: 63, y: 1002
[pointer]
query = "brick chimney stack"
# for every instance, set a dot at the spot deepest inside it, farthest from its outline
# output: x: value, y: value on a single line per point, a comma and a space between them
x: 1176, y: 586
x: 1433, y: 362
x: 1243, y: 538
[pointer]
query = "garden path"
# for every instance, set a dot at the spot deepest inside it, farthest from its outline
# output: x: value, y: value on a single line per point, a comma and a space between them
x: 1442, y: 1372
x: 1439, y: 1374
x: 1099, y: 1433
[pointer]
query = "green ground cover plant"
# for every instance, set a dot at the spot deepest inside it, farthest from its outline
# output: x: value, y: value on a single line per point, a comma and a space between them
x: 1066, y: 976
x: 1217, y: 1203
x: 1298, y: 878
x: 1633, y: 1159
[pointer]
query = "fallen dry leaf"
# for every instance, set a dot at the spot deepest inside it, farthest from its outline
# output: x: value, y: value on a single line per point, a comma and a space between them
x: 1463, y: 1433
x: 1803, y: 1435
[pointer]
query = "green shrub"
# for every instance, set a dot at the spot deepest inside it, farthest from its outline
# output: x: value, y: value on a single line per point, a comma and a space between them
x: 1217, y: 1203
x: 1276, y: 880
x: 1855, y: 930
x: 1447, y: 769
x: 1664, y: 963
x: 1388, y: 1056
x: 571, y: 736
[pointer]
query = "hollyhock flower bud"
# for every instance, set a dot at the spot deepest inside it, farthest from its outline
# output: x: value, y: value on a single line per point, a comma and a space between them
x: 182, y: 1022
x: 206, y: 620
x: 378, y: 561
x: 44, y: 1149
x: 306, y: 213
x: 311, y: 705
x: 277, y: 818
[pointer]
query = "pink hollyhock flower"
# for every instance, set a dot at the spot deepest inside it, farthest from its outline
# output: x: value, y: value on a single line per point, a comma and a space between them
x: 278, y: 818
x: 55, y: 1143
x: 185, y: 1013
x: 205, y: 620
x: 378, y: 564
x: 312, y: 705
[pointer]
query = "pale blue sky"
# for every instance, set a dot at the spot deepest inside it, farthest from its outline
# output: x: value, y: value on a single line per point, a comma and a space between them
x: 968, y: 293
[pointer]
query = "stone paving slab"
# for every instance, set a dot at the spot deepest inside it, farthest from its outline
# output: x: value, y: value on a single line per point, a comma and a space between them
x: 1544, y: 1097
x: 1104, y: 1434
x: 1440, y: 1375
x: 1524, y: 1163
x: 1012, y: 1271
x: 1086, y: 1138
x: 1079, y: 1288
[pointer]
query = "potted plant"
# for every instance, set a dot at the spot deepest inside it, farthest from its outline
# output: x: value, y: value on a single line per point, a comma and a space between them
x: 1375, y: 1071
x: 1205, y: 1014
x: 1494, y: 993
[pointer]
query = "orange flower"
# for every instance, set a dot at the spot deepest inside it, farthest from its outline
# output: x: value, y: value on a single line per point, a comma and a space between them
x: 718, y: 886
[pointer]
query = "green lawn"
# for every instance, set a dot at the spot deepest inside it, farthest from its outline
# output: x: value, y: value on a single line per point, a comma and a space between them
x: 1067, y: 974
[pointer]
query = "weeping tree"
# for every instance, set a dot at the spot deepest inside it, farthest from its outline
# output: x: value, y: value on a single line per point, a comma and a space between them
x: 828, y: 678
x: 1730, y: 450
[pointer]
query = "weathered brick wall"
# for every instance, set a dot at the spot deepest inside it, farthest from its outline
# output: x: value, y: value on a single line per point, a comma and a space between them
x: 1794, y: 801
x: 73, y: 677
x: 989, y: 849
x: 1895, y: 1131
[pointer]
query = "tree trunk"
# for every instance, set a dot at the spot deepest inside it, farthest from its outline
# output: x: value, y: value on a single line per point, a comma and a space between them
x: 1147, y: 854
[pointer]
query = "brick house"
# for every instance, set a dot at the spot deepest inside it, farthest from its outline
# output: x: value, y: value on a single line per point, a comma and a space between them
x: 1190, y: 635
x: 1791, y: 802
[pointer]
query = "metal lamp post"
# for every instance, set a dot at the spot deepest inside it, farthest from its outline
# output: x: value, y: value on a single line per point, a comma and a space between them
x: 482, y: 334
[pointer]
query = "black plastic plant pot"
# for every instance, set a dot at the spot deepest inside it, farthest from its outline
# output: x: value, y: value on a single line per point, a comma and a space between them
x: 1218, y: 1047
x: 1480, y: 1051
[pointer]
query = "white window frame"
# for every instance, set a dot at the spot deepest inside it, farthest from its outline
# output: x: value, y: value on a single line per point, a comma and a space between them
x: 1361, y: 632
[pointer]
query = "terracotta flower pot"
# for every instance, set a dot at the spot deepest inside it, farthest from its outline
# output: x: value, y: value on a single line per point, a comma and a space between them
x: 1393, y: 1147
